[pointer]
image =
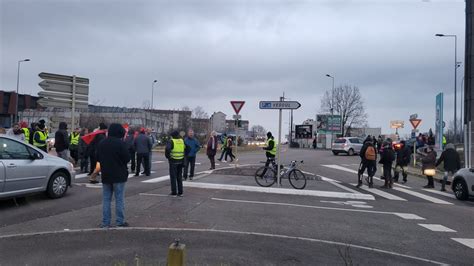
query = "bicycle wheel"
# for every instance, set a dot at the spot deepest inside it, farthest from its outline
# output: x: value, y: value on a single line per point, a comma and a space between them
x: 265, y: 176
x: 297, y: 179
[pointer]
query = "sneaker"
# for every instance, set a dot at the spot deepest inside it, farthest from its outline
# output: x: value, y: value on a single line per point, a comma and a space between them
x: 172, y: 194
x: 371, y: 185
x: 136, y: 175
x: 359, y: 185
x: 93, y: 181
x: 404, y: 181
x: 123, y: 225
x: 190, y: 178
x: 427, y: 186
x: 104, y: 226
x: 224, y: 161
x: 442, y: 189
x: 180, y: 195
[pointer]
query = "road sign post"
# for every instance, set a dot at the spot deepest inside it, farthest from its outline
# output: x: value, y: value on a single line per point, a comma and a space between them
x: 280, y: 105
x: 237, y: 105
x: 415, y: 122
x: 62, y: 91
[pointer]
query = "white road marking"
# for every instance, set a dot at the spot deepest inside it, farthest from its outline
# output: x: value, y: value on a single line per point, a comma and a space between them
x: 315, y: 193
x: 407, y: 216
x: 437, y: 228
x: 356, y: 204
x: 422, y: 196
x: 380, y: 193
x: 154, y: 195
x: 338, y: 167
x: 345, y: 245
x: 155, y: 162
x: 81, y: 176
x: 157, y: 179
x: 337, y: 184
x: 198, y: 163
x: 440, y: 193
x: 469, y: 242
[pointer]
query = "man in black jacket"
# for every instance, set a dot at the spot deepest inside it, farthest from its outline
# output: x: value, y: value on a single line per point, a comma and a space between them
x: 113, y: 155
x: 452, y: 163
x: 131, y: 148
x: 143, y: 146
x: 61, y: 141
x: 403, y: 159
x: 369, y: 163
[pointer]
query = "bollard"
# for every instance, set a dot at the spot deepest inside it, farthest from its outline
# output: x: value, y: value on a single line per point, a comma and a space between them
x: 176, y: 254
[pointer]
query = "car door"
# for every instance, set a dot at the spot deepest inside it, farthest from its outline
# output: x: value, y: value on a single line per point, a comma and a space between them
x: 355, y: 144
x: 2, y: 176
x: 22, y: 173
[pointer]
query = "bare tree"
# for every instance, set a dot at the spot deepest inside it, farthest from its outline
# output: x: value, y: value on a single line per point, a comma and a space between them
x: 146, y: 104
x: 449, y: 131
x: 199, y: 112
x: 185, y: 108
x: 258, y: 130
x: 347, y: 102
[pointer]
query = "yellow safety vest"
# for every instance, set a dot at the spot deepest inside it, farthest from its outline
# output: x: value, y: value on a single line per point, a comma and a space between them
x: 43, y: 137
x: 444, y: 140
x: 177, y: 153
x: 26, y: 132
x: 74, y: 139
x: 274, y: 150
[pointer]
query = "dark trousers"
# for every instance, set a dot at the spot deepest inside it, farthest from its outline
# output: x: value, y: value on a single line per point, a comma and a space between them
x: 189, y: 162
x: 401, y: 168
x: 267, y: 163
x: 387, y: 172
x: 93, y: 160
x: 176, y: 178
x: 133, y: 159
x: 231, y: 155
x: 143, y: 158
x: 371, y: 167
x: 224, y: 152
x: 84, y: 164
x: 74, y: 154
x: 213, y: 161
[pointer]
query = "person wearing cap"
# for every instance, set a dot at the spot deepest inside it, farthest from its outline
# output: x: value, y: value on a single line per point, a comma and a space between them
x: 74, y: 144
x: 175, y: 152
x: 40, y: 137
x: 61, y: 141
x: 113, y: 155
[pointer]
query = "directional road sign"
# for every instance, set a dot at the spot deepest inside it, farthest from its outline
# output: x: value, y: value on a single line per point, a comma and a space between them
x: 65, y: 96
x: 63, y: 91
x: 57, y: 103
x: 279, y: 105
x: 65, y: 87
x: 237, y: 105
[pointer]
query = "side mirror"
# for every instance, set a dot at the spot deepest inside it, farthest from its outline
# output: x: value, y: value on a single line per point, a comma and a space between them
x: 35, y: 156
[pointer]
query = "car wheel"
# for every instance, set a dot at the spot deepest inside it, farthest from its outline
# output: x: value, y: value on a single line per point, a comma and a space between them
x: 57, y: 185
x: 460, y: 190
x: 335, y: 153
x: 350, y: 152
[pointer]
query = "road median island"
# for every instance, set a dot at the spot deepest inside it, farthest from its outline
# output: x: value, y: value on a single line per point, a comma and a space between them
x: 149, y: 246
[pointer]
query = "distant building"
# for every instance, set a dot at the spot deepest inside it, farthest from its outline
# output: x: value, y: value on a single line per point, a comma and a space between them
x: 201, y: 126
x: 8, y: 106
x: 364, y: 132
x: 231, y: 126
x: 218, y: 122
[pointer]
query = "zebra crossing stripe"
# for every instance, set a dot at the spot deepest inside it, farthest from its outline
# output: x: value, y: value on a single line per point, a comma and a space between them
x: 422, y: 196
x: 381, y: 193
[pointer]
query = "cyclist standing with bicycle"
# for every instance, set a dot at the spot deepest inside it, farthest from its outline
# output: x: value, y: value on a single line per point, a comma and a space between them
x: 271, y: 150
x: 369, y: 158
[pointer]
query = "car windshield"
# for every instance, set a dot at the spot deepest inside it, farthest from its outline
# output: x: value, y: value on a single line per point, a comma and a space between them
x: 340, y: 141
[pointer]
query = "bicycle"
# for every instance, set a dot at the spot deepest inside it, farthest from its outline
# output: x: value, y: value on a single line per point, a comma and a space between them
x: 266, y: 176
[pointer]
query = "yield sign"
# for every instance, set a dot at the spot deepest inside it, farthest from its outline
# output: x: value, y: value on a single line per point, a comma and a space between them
x: 415, y: 122
x: 237, y: 105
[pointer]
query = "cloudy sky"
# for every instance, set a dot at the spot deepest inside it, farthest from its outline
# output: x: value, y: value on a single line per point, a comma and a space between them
x: 210, y: 52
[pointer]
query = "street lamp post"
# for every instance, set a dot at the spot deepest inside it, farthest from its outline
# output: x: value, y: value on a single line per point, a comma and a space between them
x: 332, y: 104
x: 152, y: 92
x: 17, y: 89
x: 455, y: 80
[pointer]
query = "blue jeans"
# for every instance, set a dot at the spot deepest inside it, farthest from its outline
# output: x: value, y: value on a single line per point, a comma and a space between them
x: 117, y: 189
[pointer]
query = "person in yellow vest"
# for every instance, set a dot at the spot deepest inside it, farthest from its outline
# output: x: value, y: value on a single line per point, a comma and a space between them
x: 74, y: 144
x: 444, y: 141
x: 271, y: 150
x: 175, y: 152
x: 40, y: 137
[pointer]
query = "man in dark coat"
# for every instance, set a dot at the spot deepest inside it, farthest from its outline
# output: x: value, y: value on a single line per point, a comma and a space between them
x: 452, y: 163
x: 175, y: 152
x: 403, y: 159
x: 130, y: 140
x: 61, y: 141
x: 113, y: 155
x: 143, y: 147
x: 386, y: 159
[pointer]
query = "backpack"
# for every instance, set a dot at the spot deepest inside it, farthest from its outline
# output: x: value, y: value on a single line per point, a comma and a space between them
x: 370, y: 153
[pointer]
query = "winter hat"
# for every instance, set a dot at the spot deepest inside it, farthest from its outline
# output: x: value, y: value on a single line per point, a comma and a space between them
x: 269, y: 134
x: 104, y: 126
x: 175, y: 134
x: 63, y: 125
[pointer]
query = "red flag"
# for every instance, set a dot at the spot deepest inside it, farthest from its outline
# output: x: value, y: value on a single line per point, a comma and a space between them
x: 90, y: 137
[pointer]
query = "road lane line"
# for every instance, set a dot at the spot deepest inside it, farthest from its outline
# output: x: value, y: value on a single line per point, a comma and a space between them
x: 337, y: 184
x: 437, y: 228
x: 338, y: 167
x: 440, y: 193
x: 157, y: 179
x: 469, y: 242
x: 284, y: 191
x: 422, y: 196
x: 242, y: 233
x: 155, y: 162
x: 380, y: 193
x: 154, y: 195
x: 407, y: 216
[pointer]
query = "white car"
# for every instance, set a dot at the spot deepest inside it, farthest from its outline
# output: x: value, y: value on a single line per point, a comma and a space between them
x: 348, y: 145
x: 25, y: 170
x: 463, y: 183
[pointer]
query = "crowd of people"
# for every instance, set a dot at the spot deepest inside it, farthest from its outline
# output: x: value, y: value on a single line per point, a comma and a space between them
x: 398, y: 157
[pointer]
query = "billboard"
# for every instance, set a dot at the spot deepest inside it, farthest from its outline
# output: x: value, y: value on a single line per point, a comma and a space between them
x: 439, y: 121
x: 329, y: 124
x: 304, y: 131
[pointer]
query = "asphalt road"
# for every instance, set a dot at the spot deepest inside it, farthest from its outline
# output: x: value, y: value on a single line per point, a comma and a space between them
x: 225, y: 218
